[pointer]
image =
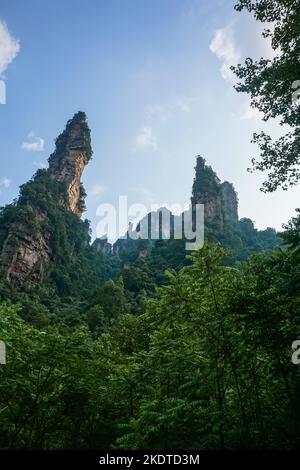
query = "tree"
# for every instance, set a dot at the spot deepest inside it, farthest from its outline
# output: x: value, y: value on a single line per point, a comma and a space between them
x: 272, y: 84
x: 108, y: 303
x: 291, y: 235
x: 216, y: 371
x: 48, y: 387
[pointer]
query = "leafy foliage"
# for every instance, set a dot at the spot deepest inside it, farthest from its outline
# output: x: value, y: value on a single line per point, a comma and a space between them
x: 271, y: 84
x: 206, y: 364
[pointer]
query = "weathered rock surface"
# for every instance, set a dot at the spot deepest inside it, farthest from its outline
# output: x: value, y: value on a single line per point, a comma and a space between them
x: 102, y: 245
x: 207, y: 190
x: 26, y: 262
x: 27, y: 247
x: 220, y: 206
x: 71, y: 156
x: 220, y: 199
x: 230, y: 201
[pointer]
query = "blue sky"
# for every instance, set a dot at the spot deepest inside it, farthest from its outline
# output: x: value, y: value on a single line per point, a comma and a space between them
x: 153, y: 78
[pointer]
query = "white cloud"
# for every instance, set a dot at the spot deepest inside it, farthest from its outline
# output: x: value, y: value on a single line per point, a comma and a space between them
x: 145, y: 139
x: 158, y: 112
x: 5, y: 182
x: 97, y: 190
x: 9, y: 47
x: 35, y: 144
x: 224, y: 47
x: 248, y: 113
x: 164, y: 112
x: 143, y: 193
x: 247, y: 33
x: 40, y: 165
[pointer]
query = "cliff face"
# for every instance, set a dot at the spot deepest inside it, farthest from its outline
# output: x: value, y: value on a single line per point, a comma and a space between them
x: 25, y: 257
x: 102, y: 245
x: 71, y: 156
x: 220, y: 207
x: 219, y: 199
x: 230, y: 201
x: 207, y: 190
x: 28, y: 231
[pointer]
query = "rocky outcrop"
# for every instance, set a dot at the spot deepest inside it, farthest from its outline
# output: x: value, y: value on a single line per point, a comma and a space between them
x: 230, y: 201
x: 207, y: 190
x: 220, y: 199
x: 28, y: 229
x: 71, y: 155
x: 102, y: 245
x: 143, y: 253
x: 220, y: 207
x: 156, y: 225
x: 26, y: 261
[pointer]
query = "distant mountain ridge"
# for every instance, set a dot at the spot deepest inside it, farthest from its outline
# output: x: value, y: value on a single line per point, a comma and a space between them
x: 222, y: 223
x: 42, y: 236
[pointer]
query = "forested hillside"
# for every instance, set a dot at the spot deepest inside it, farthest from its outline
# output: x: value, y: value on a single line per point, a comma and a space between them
x: 167, y: 350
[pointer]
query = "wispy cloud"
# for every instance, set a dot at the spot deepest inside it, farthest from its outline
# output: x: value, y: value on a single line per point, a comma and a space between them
x: 5, y: 182
x: 143, y: 193
x: 9, y: 47
x: 224, y: 47
x: 167, y: 110
x: 35, y: 144
x: 248, y: 113
x: 40, y: 165
x: 158, y: 112
x: 145, y: 139
x: 96, y: 190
